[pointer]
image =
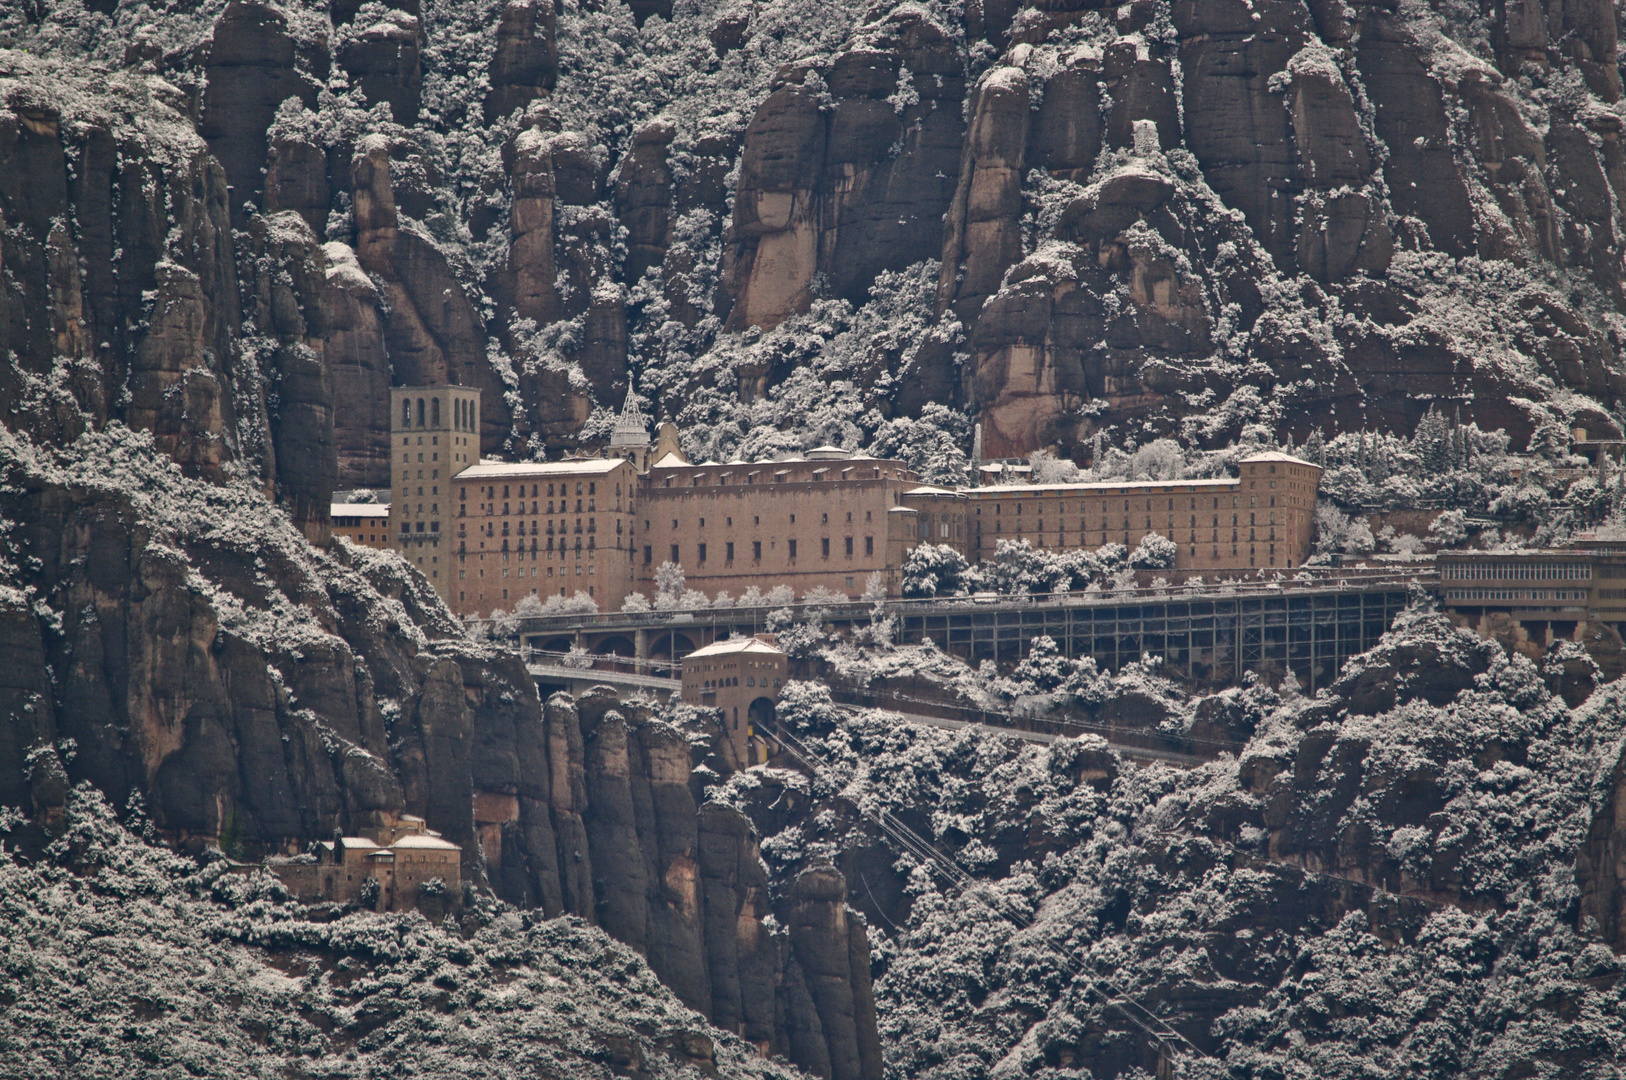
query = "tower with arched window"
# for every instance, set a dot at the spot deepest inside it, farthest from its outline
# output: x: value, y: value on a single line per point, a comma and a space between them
x: 434, y: 435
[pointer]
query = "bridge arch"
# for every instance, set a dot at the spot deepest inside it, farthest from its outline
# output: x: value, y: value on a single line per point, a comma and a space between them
x: 616, y: 645
x: 671, y: 645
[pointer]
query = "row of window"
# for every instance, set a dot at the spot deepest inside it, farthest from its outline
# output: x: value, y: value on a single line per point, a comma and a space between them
x: 1516, y: 594
x: 1517, y: 571
x: 702, y: 550
x: 1084, y: 508
x: 463, y: 413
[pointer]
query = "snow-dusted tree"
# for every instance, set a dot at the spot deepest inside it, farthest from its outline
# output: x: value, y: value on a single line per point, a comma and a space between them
x: 1046, y: 468
x: 932, y: 445
x: 1018, y: 569
x: 1335, y: 532
x: 1448, y: 528
x: 528, y: 605
x: 875, y: 587
x: 669, y: 586
x: 1044, y: 668
x: 780, y: 595
x: 932, y: 570
x: 635, y: 602
x: 1154, y: 552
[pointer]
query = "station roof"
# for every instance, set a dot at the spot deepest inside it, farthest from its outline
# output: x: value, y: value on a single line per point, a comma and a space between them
x: 421, y: 842
x: 1277, y: 455
x: 736, y: 645
x: 578, y: 467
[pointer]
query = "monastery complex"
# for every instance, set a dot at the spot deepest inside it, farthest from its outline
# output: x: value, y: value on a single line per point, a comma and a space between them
x: 488, y: 533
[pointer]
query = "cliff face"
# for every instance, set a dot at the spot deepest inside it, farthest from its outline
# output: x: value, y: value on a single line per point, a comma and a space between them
x: 1164, y: 216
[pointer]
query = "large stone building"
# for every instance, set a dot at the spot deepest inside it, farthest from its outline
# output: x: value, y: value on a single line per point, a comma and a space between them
x: 489, y: 533
x: 405, y: 857
x: 1261, y: 518
x: 741, y: 678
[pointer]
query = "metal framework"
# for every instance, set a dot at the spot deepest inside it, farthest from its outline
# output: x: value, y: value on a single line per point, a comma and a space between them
x: 1209, y: 641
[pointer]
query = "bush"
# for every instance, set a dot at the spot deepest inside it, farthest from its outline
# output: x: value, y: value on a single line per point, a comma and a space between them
x: 1155, y: 552
x: 933, y: 570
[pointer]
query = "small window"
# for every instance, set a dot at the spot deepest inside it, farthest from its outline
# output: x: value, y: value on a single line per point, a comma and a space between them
x: 791, y: 547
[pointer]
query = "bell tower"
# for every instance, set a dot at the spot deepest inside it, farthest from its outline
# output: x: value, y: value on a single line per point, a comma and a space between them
x: 434, y: 435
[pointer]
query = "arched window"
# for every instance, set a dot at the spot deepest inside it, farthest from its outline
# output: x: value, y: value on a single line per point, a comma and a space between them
x: 434, y: 412
x: 420, y: 412
x: 406, y: 412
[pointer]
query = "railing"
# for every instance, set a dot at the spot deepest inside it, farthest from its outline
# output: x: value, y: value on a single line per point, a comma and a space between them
x: 1169, y: 745
x: 1341, y: 580
x: 609, y: 662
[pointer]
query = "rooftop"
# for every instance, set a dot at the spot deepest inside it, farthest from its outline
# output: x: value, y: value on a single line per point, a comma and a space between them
x: 421, y: 842
x: 1277, y: 455
x: 360, y: 509
x: 736, y: 645
x: 576, y: 467
x: 1112, y: 485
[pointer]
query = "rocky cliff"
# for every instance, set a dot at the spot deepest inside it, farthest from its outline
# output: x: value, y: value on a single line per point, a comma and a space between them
x: 1156, y: 217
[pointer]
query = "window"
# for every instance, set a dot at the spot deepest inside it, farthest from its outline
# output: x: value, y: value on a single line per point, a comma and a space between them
x: 649, y: 554
x: 869, y: 545
x: 849, y: 547
x: 701, y: 553
x: 675, y: 553
x: 824, y: 547
x: 756, y: 551
x: 728, y: 552
x: 790, y: 546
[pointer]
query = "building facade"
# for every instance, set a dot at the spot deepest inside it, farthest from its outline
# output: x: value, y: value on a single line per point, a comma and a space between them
x: 367, y: 524
x: 404, y: 858
x: 1263, y: 517
x: 434, y: 435
x: 824, y: 521
x: 548, y: 529
x: 741, y: 678
x: 486, y: 534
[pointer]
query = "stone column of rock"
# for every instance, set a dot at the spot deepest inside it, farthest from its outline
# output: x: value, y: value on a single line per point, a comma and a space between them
x: 360, y: 369
x: 508, y: 766
x: 174, y: 368
x: 852, y: 183
x: 286, y: 293
x: 586, y: 232
x: 526, y: 64
x: 31, y: 774
x: 439, y: 727
x: 1229, y: 51
x: 1600, y: 864
x: 532, y: 269
x: 432, y: 332
x: 643, y: 197
x: 1343, y: 228
x: 700, y: 197
x: 252, y: 68
x: 742, y: 958
x: 567, y: 794
x: 1139, y: 86
x: 385, y: 61
x: 816, y: 913
x: 296, y: 173
x: 895, y: 136
x: 772, y: 245
x: 802, y: 1037
x: 1066, y: 131
x: 1409, y: 118
x: 983, y: 233
x: 620, y: 872
x: 659, y: 762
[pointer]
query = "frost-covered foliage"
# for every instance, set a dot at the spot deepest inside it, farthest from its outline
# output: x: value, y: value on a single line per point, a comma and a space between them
x: 1154, y: 552
x: 122, y: 959
x: 1439, y: 792
x: 931, y: 570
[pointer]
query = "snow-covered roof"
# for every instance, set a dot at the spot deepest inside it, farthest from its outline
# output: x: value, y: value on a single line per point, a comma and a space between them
x: 590, y: 466
x: 1277, y: 455
x: 930, y: 489
x: 419, y: 842
x: 360, y: 509
x: 357, y: 842
x: 1113, y: 485
x: 902, y: 510
x: 670, y: 461
x: 735, y: 645
x: 828, y: 453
